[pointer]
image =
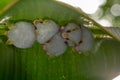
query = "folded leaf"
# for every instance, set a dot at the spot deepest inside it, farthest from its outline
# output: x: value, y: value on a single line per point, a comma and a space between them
x: 114, y: 31
x: 49, y: 9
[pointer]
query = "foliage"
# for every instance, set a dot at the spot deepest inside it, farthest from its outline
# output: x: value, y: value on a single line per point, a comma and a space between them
x: 101, y: 63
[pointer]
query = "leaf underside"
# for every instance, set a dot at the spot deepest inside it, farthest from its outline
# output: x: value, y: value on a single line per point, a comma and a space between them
x: 34, y: 64
x: 101, y: 63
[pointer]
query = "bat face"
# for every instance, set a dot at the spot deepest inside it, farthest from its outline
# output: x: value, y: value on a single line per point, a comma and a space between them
x: 72, y: 34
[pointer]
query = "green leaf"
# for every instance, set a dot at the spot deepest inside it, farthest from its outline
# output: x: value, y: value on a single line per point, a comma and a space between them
x: 4, y: 3
x: 49, y: 9
x: 34, y: 64
x: 102, y: 63
x: 115, y: 31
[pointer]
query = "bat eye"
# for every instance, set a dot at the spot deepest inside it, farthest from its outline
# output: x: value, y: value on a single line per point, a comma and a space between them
x: 22, y: 35
x: 46, y: 30
x: 68, y: 31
